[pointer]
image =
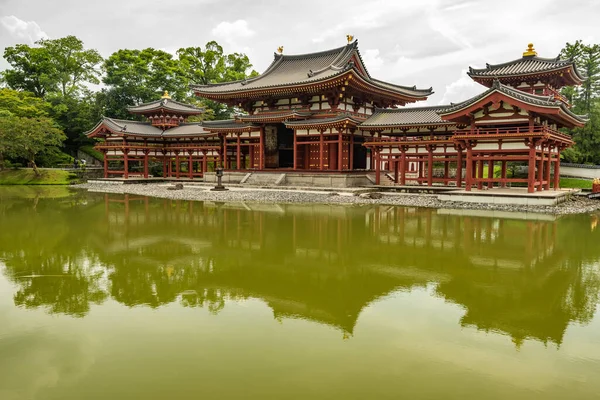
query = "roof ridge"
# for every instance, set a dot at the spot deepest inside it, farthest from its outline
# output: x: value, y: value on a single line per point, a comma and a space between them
x: 341, y: 49
x: 489, y: 67
x: 413, y: 87
x: 409, y: 109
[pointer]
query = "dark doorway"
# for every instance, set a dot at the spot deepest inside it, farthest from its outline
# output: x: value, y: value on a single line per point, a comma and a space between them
x: 279, y: 146
x: 360, y: 156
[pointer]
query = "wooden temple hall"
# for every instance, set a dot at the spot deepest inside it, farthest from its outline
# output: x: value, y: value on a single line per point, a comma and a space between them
x: 324, y: 113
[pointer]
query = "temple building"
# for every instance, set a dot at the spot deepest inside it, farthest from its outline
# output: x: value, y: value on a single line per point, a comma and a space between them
x: 322, y: 113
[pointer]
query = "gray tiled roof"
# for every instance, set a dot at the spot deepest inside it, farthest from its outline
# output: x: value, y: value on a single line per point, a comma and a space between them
x: 408, y: 116
x: 226, y: 124
x: 278, y: 114
x: 307, y: 68
x: 189, y: 129
x: 322, y: 121
x: 129, y: 127
x: 167, y: 104
x: 523, y: 66
x: 533, y: 99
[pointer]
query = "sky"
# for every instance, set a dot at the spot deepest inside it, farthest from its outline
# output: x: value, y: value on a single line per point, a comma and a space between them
x: 428, y: 43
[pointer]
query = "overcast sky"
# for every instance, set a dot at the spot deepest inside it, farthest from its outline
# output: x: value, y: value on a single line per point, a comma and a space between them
x: 408, y: 42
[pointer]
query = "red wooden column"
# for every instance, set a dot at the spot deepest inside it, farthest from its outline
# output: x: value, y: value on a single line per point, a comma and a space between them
x: 557, y: 170
x: 480, y: 174
x: 540, y: 176
x: 396, y: 162
x: 446, y: 170
x: 190, y: 165
x: 547, y: 170
x: 430, y: 165
x: 125, y: 163
x: 146, y: 163
x: 177, y: 164
x: 469, y: 169
x: 238, y: 159
x: 321, y: 150
x: 105, y: 163
x: 295, y: 151
x: 204, y: 163
x: 503, y: 175
x: 403, y: 165
x: 340, y: 151
x: 490, y: 184
x: 377, y: 166
x: 531, y: 168
x: 225, y: 158
x: 261, y: 149
x: 351, y: 152
x: 459, y: 161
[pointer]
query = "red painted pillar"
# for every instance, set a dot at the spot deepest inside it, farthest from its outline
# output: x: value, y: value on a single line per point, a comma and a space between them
x: 321, y: 150
x: 430, y: 166
x: 396, y: 162
x: 351, y: 153
x: 164, y: 166
x: 125, y: 164
x: 295, y: 151
x: 503, y: 175
x: 469, y: 170
x: 238, y: 160
x: 557, y: 171
x: 547, y: 170
x: 377, y: 167
x: 105, y: 164
x: 490, y: 184
x: 446, y: 171
x: 145, y: 163
x: 177, y: 165
x: 340, y: 151
x: 459, y: 161
x: 190, y: 166
x: 480, y: 174
x: 225, y: 158
x: 403, y: 166
x: 531, y: 169
x: 540, y: 176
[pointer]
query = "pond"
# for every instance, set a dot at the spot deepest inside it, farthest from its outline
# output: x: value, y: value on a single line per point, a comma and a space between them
x: 124, y: 297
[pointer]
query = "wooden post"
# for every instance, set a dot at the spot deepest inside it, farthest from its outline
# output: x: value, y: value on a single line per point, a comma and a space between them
x: 430, y: 166
x: 531, y: 168
x: 479, y: 174
x: 351, y: 153
x: 469, y: 169
x: 446, y: 170
x: 295, y: 151
x: 396, y: 162
x: 557, y: 170
x: 402, y: 166
x: 547, y: 170
x: 321, y: 150
x: 204, y: 163
x: 190, y: 166
x: 261, y: 149
x: 503, y: 175
x: 459, y: 161
x: 105, y: 163
x: 225, y: 157
x: 541, y: 170
x: 164, y: 166
x: 490, y: 184
x: 145, y: 163
x: 125, y: 163
x: 377, y: 167
x: 340, y: 151
x: 238, y: 159
x: 177, y: 164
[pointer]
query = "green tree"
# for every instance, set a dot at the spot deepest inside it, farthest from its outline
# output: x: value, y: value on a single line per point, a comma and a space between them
x: 585, y: 100
x: 60, y: 66
x: 29, y: 137
x: 23, y: 104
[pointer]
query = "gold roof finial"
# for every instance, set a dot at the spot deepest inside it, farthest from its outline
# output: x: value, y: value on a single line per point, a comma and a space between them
x: 530, y: 51
x: 280, y: 49
x: 166, y: 95
x: 350, y: 38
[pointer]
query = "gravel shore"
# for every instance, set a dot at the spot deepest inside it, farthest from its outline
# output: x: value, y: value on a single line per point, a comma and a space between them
x: 576, y: 205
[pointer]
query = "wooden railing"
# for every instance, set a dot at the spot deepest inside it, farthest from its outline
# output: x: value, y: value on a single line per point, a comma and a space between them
x: 514, y: 130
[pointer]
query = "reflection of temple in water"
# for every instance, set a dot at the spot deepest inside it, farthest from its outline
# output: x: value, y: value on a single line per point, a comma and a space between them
x: 327, y: 263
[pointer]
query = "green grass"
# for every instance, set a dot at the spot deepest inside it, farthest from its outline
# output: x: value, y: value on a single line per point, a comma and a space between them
x: 575, y: 183
x: 89, y: 150
x: 26, y: 176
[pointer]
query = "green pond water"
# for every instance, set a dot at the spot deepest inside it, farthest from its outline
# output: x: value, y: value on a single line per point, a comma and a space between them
x: 125, y: 297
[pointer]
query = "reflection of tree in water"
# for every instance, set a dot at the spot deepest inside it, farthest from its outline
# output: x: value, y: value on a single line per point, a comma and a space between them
x: 527, y: 279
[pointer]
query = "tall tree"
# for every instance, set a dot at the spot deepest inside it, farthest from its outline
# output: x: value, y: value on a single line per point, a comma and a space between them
x: 61, y: 66
x: 585, y: 100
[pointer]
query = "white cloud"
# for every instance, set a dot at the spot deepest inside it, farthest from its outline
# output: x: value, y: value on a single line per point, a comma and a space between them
x: 461, y: 89
x: 231, y: 31
x: 372, y: 59
x: 28, y: 31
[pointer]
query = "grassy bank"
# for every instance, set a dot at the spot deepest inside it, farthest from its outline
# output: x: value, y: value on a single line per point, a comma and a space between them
x: 575, y: 183
x: 26, y: 176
